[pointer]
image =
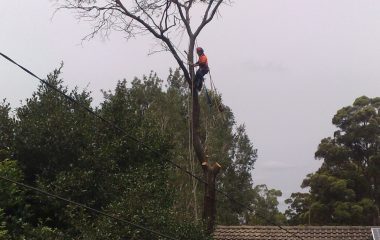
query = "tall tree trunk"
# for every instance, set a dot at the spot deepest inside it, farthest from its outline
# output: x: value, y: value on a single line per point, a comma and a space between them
x: 210, y: 170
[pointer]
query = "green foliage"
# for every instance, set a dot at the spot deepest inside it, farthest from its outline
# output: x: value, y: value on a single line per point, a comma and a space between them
x: 51, y: 132
x: 3, y: 231
x: 298, y: 210
x: 265, y: 205
x: 12, y: 201
x: 345, y: 190
x: 11, y: 194
x: 64, y: 150
x: 6, y: 128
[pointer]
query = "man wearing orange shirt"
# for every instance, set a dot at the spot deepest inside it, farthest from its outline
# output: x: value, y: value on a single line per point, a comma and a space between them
x: 202, y: 70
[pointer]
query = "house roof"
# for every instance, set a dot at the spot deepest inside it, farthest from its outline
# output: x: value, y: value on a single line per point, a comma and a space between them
x: 305, y: 232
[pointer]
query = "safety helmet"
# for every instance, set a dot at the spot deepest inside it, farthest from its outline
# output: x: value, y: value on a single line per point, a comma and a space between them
x: 199, y: 50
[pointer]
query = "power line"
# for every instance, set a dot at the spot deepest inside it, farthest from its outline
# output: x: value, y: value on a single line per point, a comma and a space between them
x: 135, y: 139
x: 86, y: 207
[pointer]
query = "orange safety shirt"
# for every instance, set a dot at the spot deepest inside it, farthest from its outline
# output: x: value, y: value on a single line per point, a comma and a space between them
x: 203, y: 63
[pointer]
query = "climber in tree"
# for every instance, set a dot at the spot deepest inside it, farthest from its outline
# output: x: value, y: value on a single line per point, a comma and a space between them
x: 202, y: 70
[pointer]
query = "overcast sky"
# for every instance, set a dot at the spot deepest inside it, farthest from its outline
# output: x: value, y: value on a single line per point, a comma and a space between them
x: 284, y: 67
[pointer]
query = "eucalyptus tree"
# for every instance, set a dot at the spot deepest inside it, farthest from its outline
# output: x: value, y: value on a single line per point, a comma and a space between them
x: 346, y: 188
x: 162, y: 19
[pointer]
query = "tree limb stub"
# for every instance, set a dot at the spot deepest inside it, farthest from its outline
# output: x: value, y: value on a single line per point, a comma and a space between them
x: 212, y: 167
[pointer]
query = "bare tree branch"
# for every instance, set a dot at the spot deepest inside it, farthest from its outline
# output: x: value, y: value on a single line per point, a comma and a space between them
x: 185, y: 19
x: 207, y: 18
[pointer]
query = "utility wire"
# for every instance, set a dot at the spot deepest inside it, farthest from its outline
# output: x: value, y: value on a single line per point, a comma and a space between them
x: 135, y: 139
x: 86, y: 207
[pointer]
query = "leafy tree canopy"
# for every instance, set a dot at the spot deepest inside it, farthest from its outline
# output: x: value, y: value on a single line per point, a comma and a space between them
x: 345, y: 190
x: 62, y: 149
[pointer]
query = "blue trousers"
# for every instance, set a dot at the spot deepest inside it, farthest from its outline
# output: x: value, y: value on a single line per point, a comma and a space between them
x: 199, y: 78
